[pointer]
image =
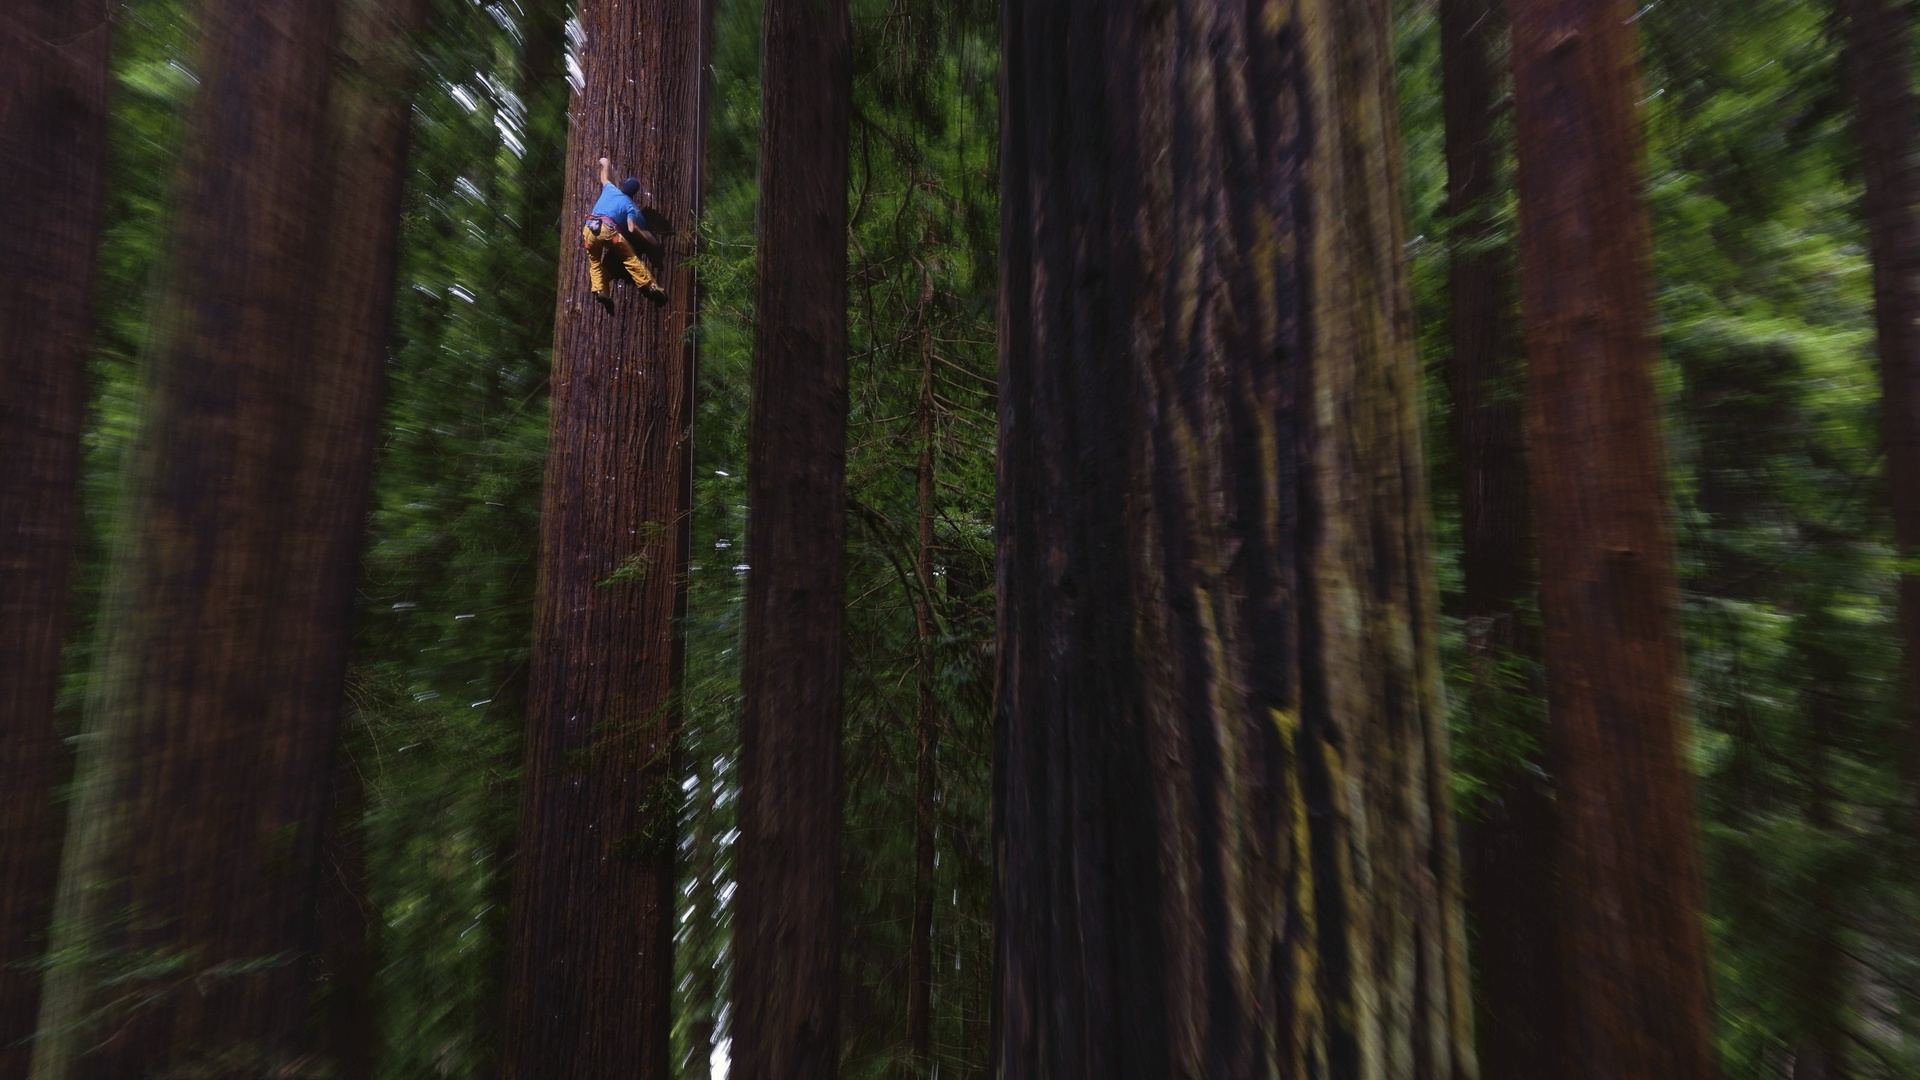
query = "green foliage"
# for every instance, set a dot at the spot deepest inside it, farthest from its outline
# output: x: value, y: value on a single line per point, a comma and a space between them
x: 1787, y: 569
x: 923, y: 224
x: 1765, y: 304
x: 447, y: 593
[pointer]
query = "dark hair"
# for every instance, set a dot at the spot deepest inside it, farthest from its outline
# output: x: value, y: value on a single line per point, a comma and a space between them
x: 631, y: 187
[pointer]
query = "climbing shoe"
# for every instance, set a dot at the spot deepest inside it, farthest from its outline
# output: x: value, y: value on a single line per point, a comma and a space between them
x: 605, y: 300
x: 655, y: 293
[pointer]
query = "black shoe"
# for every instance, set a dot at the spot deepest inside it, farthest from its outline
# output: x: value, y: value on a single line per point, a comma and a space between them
x: 655, y: 293
x: 605, y: 301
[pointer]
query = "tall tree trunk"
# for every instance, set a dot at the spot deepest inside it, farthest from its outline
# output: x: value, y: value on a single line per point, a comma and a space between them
x: 1879, y: 61
x: 926, y: 724
x: 1630, y: 912
x: 1223, y: 839
x: 793, y: 655
x: 371, y: 121
x: 53, y: 150
x: 1484, y: 373
x: 193, y: 858
x: 1508, y: 848
x: 590, y: 950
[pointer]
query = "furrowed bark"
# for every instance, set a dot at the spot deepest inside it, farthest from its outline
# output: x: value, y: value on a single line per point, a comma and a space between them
x: 1879, y: 62
x: 1223, y: 843
x: 1508, y: 848
x: 1633, y: 946
x: 53, y: 150
x: 787, y: 927
x: 189, y: 888
x: 590, y: 950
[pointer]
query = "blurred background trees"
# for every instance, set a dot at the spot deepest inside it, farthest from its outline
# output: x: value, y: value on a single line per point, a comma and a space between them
x: 53, y: 132
x: 1776, y: 218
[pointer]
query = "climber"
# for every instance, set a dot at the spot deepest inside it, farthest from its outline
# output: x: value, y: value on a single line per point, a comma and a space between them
x: 612, y: 229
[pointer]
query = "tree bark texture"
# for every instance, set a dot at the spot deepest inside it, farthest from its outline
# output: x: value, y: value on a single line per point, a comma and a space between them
x: 1879, y: 59
x: 1630, y: 910
x: 1223, y: 842
x: 787, y: 923
x: 188, y: 891
x: 53, y: 150
x: 1508, y: 848
x: 590, y: 949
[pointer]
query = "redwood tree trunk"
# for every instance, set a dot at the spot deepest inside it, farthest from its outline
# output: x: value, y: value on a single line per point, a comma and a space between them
x: 1223, y: 842
x: 1484, y: 373
x: 1508, y: 846
x: 787, y: 926
x: 53, y: 150
x: 590, y: 950
x: 1879, y: 58
x: 1633, y: 942
x: 371, y: 116
x: 193, y: 857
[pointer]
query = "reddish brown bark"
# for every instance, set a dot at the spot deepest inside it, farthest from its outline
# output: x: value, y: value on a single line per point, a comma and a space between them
x: 53, y: 150
x: 195, y: 848
x: 1879, y: 59
x: 1507, y: 848
x: 1222, y: 840
x: 590, y: 949
x: 787, y: 926
x: 1633, y: 943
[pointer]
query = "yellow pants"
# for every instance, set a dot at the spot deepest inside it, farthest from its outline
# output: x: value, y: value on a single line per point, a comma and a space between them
x: 608, y: 242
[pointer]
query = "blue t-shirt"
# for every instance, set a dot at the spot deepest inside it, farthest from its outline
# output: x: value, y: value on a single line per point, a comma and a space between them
x: 615, y: 204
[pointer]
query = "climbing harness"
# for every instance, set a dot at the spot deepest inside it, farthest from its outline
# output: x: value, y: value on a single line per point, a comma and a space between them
x: 594, y: 221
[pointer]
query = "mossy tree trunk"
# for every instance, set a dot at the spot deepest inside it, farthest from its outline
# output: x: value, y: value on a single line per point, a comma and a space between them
x: 793, y: 655
x: 590, y: 943
x: 1507, y: 845
x: 188, y: 894
x: 1879, y: 63
x: 1223, y: 840
x: 53, y: 150
x: 1630, y: 913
